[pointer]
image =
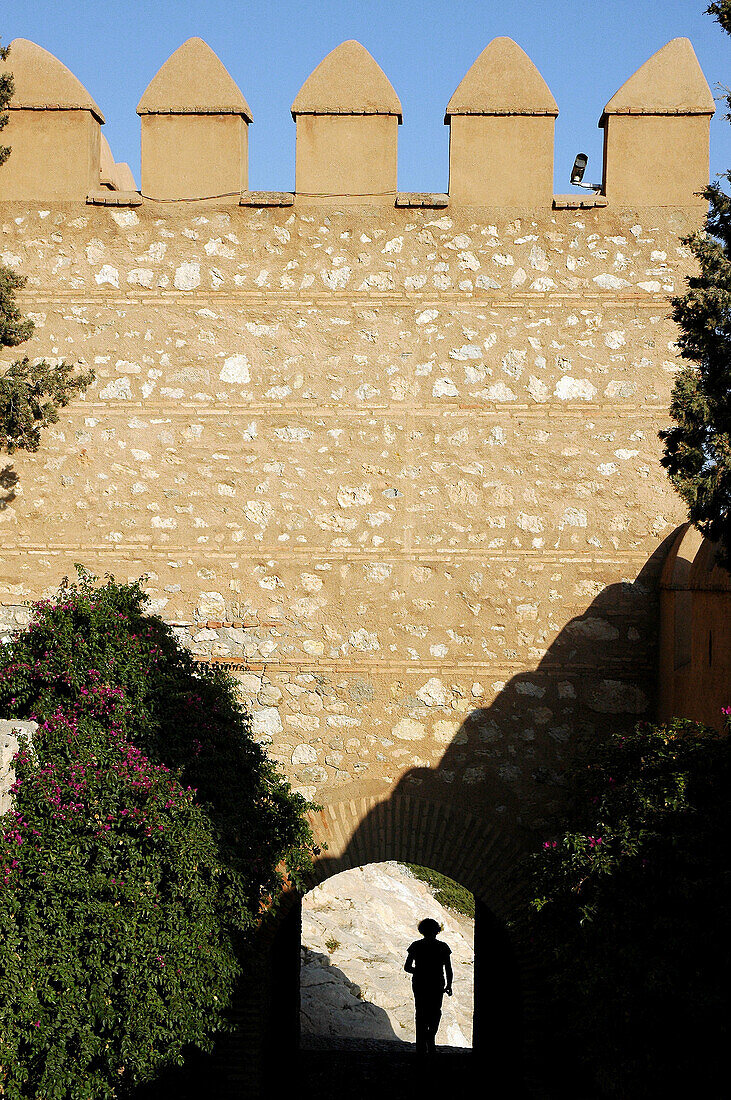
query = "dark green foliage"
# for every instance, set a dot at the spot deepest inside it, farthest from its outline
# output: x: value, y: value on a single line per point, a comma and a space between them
x: 13, y: 329
x: 446, y: 891
x: 6, y: 94
x: 149, y: 834
x: 631, y: 907
x: 697, y: 452
x: 722, y: 12
x: 31, y: 393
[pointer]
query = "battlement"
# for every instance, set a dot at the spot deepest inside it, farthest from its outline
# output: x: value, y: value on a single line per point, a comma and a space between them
x: 195, y: 123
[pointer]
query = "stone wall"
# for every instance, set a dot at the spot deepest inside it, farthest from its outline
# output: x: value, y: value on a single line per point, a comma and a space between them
x: 391, y: 458
x: 398, y: 468
x: 10, y: 730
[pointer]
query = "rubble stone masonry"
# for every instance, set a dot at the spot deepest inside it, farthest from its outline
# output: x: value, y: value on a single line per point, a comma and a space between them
x: 393, y: 458
x: 398, y: 468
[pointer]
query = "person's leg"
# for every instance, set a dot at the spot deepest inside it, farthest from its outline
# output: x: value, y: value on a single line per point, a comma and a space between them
x: 434, y: 1016
x: 437, y: 1014
x: 422, y: 1025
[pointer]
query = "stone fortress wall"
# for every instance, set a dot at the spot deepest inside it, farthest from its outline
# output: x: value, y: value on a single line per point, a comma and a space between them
x: 393, y: 457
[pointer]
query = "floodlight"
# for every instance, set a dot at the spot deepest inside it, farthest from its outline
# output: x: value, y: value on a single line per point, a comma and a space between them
x: 577, y: 174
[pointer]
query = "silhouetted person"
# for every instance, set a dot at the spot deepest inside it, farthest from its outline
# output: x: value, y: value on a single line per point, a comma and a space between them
x: 428, y: 961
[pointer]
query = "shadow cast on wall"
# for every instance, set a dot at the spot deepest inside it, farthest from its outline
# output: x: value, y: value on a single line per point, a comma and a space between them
x: 8, y: 483
x: 501, y: 787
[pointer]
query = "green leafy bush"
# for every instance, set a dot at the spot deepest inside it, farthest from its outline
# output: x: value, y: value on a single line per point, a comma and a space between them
x: 631, y: 906
x: 446, y: 891
x: 148, y: 833
x: 697, y: 447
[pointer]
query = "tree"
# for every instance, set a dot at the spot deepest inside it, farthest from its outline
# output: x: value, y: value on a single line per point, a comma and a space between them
x: 630, y: 905
x: 31, y: 393
x: 149, y: 833
x: 697, y: 452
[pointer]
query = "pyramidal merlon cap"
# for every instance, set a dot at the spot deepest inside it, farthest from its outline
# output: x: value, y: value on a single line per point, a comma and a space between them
x: 671, y: 82
x: 502, y: 81
x: 193, y: 81
x: 43, y: 83
x: 347, y: 82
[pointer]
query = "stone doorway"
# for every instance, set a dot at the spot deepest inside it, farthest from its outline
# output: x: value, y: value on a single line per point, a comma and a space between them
x: 360, y: 1067
x: 356, y: 929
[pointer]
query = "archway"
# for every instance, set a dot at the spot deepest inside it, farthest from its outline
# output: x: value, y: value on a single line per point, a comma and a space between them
x: 356, y: 929
x: 411, y: 828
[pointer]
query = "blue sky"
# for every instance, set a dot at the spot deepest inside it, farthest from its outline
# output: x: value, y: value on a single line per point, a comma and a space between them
x: 585, y: 50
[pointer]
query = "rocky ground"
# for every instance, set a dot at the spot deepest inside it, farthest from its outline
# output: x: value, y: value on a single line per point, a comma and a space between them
x: 356, y: 929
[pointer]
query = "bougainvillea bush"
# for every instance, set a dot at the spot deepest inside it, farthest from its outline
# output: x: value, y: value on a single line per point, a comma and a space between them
x: 631, y: 907
x: 148, y: 832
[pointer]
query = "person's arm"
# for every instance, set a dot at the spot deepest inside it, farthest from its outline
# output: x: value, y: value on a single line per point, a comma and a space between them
x: 409, y: 964
x: 448, y: 972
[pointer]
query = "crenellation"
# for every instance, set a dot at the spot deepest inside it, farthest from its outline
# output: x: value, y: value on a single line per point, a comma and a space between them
x: 194, y: 122
x: 665, y: 107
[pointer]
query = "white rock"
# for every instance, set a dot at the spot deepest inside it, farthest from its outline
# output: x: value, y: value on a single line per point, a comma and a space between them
x: 571, y: 389
x: 292, y: 434
x: 467, y: 351
x: 537, y: 389
x: 265, y: 721
x: 534, y: 524
x: 500, y: 392
x: 433, y: 693
x: 235, y: 369
x: 307, y: 723
x: 125, y: 219
x: 618, y: 697
x: 408, y: 729
x: 304, y: 754
x: 249, y: 683
x: 187, y: 276
x: 211, y: 605
x: 258, y: 512
x: 573, y: 517
x: 141, y: 276
x: 118, y: 388
x: 107, y: 274
x: 538, y: 259
x: 445, y: 731
x: 610, y: 282
x: 444, y: 387
x: 353, y: 496
x: 338, y: 278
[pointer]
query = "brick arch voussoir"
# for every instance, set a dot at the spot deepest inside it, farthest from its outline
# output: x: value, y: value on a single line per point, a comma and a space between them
x: 411, y: 829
